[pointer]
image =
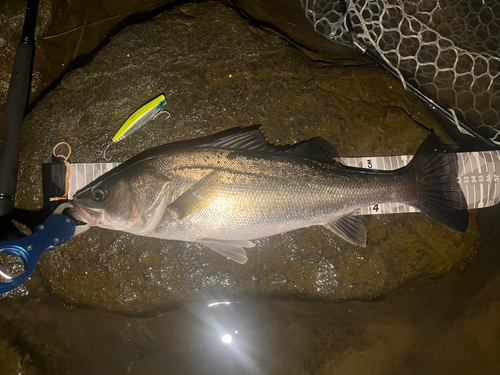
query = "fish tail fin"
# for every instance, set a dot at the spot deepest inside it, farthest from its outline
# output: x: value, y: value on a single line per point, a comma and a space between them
x: 439, y: 194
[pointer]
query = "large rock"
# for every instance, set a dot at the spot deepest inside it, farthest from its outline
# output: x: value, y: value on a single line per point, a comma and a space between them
x: 218, y: 72
x: 288, y: 18
x: 11, y: 27
x: 66, y: 33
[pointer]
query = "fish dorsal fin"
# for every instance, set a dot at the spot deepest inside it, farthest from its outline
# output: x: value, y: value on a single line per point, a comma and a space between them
x: 350, y: 228
x: 229, y: 249
x: 316, y: 149
x: 251, y: 138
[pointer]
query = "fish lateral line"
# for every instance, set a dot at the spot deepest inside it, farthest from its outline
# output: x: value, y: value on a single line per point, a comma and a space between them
x: 218, y: 207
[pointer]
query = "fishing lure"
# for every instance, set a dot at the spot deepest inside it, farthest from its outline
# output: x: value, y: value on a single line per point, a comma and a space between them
x: 137, y: 120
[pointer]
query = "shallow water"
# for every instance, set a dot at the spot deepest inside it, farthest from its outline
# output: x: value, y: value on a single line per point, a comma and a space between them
x: 446, y: 328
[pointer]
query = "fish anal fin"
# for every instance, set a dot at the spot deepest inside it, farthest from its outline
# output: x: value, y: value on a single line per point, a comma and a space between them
x: 197, y: 197
x: 350, y: 228
x: 233, y: 250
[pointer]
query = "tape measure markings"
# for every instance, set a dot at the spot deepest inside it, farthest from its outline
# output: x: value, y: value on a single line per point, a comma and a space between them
x: 477, y: 176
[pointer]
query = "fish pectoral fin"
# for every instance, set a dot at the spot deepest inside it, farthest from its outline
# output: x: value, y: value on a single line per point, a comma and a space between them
x: 350, y: 228
x: 229, y: 249
x: 194, y: 199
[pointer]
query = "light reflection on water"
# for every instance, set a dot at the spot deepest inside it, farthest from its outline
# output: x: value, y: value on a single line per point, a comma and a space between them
x: 226, y: 338
x: 219, y: 303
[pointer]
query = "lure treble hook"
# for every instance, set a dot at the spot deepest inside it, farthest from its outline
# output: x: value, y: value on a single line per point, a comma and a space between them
x: 160, y: 112
x: 103, y: 150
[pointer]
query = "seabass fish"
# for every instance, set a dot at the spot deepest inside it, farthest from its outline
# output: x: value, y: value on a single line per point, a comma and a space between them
x: 229, y: 189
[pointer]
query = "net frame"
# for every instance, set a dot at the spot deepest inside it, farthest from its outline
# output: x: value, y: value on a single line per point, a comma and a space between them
x: 445, y: 52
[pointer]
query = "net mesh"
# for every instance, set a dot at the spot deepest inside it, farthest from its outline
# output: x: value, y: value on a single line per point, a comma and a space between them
x: 450, y: 51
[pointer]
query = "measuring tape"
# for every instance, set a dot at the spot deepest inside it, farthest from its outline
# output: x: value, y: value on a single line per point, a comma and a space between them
x: 478, y: 176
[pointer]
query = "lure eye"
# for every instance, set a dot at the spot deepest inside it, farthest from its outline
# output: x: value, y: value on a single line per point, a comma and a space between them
x: 99, y: 195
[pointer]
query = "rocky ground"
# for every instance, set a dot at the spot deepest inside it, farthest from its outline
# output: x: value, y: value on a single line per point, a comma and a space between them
x: 218, y: 71
x: 213, y: 81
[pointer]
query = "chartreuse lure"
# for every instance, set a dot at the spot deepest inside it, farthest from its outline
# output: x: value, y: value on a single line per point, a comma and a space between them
x: 137, y: 120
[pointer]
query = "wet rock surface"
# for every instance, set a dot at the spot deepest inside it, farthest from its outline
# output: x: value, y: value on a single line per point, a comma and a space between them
x: 218, y: 72
x: 10, y: 359
x: 11, y: 26
x: 449, y: 327
x: 66, y: 34
x: 288, y: 18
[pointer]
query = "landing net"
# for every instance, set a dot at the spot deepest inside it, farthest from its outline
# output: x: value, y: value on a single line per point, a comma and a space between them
x: 448, y: 50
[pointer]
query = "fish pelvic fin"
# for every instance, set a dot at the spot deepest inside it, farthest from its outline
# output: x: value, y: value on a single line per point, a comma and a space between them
x: 350, y: 228
x: 439, y: 194
x: 230, y: 249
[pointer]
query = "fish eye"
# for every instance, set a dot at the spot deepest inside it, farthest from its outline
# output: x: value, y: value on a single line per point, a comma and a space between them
x: 99, y: 195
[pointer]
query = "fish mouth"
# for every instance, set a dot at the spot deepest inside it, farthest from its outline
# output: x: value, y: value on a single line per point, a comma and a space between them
x: 86, y: 214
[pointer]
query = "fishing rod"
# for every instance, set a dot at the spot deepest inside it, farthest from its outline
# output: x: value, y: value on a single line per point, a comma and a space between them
x: 58, y: 228
x: 15, y: 108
